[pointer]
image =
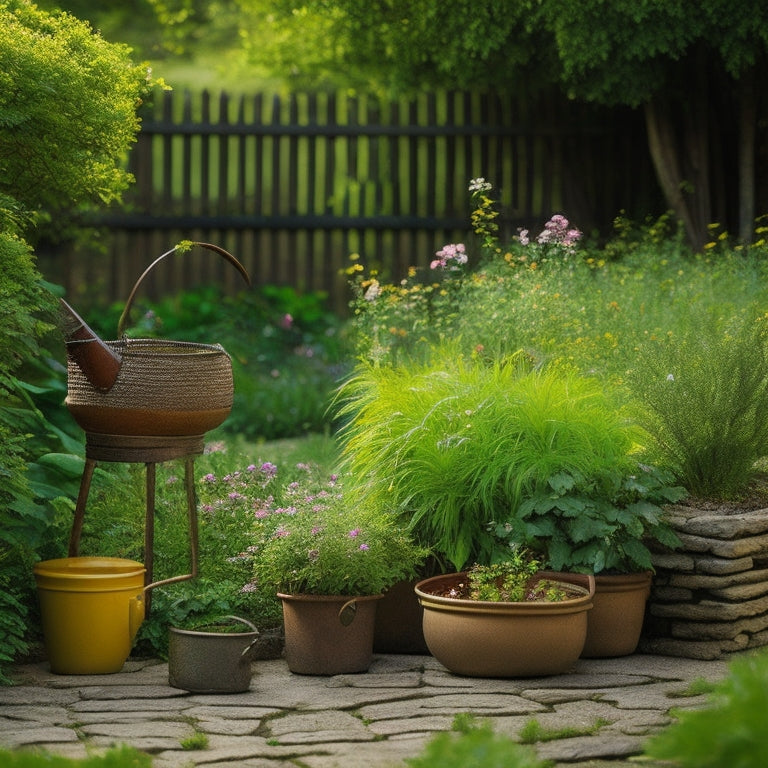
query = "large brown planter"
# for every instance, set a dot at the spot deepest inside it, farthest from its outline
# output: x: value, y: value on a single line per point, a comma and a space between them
x: 399, y: 621
x: 710, y: 596
x: 500, y: 639
x: 616, y: 619
x: 328, y: 634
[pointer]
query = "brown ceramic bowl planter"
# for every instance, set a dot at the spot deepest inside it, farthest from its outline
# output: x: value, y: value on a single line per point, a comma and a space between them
x: 504, y: 639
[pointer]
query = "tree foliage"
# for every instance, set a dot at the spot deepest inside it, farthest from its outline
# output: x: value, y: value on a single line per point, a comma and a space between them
x: 68, y: 104
x: 693, y: 67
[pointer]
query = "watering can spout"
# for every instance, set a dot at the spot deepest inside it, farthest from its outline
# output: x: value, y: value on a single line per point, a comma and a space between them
x: 98, y: 362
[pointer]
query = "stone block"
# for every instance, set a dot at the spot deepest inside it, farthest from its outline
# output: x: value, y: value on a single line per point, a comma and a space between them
x: 720, y: 581
x: 722, y: 565
x: 710, y: 610
x: 753, y: 545
x: 719, y: 630
x: 723, y: 526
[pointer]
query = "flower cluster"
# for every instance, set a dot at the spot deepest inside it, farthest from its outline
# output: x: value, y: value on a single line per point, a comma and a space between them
x: 308, y: 538
x: 401, y: 321
x: 483, y: 216
x: 451, y: 257
x: 557, y: 231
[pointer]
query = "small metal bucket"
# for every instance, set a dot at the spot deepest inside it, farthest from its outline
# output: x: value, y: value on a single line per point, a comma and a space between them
x: 211, y: 662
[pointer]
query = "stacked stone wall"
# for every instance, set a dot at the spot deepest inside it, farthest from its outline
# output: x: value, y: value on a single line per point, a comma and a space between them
x: 709, y: 598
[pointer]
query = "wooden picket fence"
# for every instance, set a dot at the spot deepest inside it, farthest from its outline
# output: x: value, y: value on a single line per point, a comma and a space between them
x: 294, y: 184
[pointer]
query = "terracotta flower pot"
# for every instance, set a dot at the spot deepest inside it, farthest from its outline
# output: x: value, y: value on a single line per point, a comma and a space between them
x: 328, y: 634
x: 616, y: 619
x: 500, y: 639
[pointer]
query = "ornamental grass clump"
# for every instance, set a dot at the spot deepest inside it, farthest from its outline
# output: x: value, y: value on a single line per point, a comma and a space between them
x: 311, y: 540
x: 457, y: 445
x: 703, y: 398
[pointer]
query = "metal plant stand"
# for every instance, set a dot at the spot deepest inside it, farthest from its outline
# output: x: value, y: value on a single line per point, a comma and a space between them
x: 148, y: 451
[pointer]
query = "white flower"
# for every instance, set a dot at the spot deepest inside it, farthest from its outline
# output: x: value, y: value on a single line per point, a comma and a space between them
x: 480, y: 185
x: 374, y: 289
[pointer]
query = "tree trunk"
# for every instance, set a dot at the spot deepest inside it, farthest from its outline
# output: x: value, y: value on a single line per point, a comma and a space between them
x: 747, y: 149
x: 662, y: 145
x: 679, y: 143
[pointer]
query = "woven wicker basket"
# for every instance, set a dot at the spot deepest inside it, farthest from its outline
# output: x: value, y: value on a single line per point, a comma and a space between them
x: 162, y: 387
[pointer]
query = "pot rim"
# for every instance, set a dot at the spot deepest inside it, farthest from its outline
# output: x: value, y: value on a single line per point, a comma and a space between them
x: 253, y: 632
x: 308, y: 597
x: 571, y: 605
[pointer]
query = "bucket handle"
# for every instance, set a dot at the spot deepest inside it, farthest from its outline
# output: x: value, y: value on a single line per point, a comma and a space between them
x: 347, y: 612
x: 183, y: 246
x: 253, y: 642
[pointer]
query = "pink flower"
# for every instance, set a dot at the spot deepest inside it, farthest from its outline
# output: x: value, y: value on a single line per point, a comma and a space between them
x: 364, y: 547
x: 450, y: 256
x: 354, y: 533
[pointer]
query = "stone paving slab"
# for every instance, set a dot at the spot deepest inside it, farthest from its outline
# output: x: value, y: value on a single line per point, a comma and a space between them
x: 371, y: 720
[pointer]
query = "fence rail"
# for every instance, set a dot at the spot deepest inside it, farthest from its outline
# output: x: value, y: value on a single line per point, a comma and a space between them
x: 294, y: 184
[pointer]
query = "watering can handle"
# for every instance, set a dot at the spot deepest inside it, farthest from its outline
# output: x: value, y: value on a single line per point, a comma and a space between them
x: 136, y: 613
x: 215, y: 248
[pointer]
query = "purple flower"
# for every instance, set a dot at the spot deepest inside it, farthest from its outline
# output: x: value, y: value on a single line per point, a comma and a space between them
x: 364, y: 547
x: 268, y: 469
x: 209, y: 478
x: 354, y: 533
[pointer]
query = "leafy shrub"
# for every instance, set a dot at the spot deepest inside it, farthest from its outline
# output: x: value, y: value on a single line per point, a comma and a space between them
x: 589, y: 524
x: 730, y: 730
x: 310, y: 539
x: 23, y: 520
x: 457, y: 444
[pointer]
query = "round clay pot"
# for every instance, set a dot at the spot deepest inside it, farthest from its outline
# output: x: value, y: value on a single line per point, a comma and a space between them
x: 616, y: 619
x: 500, y: 639
x: 328, y: 634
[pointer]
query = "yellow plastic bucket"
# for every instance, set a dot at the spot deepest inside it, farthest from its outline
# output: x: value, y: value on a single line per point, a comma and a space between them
x: 91, y: 609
